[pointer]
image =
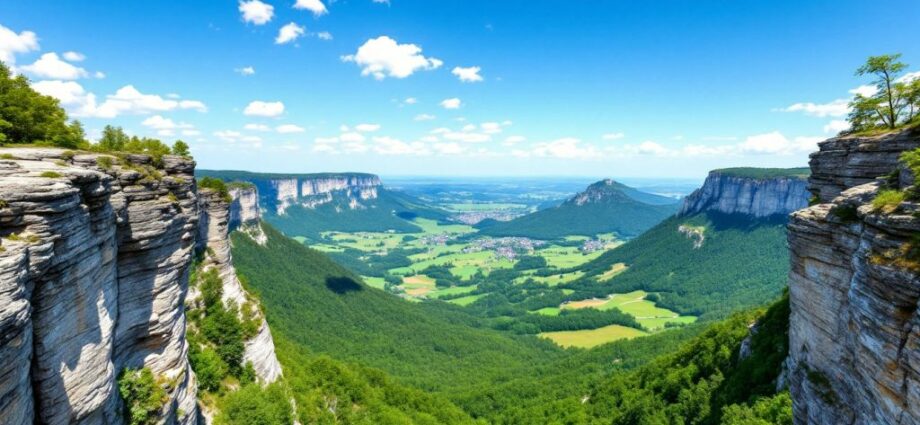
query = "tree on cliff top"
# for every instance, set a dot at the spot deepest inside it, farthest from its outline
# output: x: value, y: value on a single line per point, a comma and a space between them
x: 896, y: 100
x: 27, y: 116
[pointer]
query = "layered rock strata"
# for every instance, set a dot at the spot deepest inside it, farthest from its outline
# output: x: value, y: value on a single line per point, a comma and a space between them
x: 94, y: 267
x: 730, y: 194
x: 854, y: 288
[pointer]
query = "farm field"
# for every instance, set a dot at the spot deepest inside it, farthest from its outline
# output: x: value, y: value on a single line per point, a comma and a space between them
x: 592, y: 337
x: 635, y: 304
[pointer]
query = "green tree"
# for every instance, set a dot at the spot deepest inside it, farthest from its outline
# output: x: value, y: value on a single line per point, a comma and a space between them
x: 27, y: 116
x: 113, y: 139
x: 142, y: 394
x: 896, y: 100
x: 180, y: 148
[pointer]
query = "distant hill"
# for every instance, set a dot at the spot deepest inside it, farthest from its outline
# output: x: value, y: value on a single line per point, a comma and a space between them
x: 604, y: 207
x: 765, y: 173
x: 308, y: 204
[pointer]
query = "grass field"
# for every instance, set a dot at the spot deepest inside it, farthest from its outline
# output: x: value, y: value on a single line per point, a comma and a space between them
x: 634, y: 303
x: 548, y: 311
x: 452, y: 291
x: 613, y: 271
x: 418, y: 285
x: 565, y: 257
x: 592, y: 337
x: 374, y: 282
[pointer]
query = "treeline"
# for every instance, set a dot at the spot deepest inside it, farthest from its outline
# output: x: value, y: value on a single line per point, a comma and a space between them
x: 28, y: 117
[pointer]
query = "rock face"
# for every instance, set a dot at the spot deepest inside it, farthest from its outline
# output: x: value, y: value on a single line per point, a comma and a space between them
x: 93, y: 275
x: 278, y: 192
x: 245, y: 213
x: 854, y: 332
x: 758, y: 197
x: 214, y: 235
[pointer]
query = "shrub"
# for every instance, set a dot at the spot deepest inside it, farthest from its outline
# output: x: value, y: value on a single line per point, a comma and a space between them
x: 104, y: 162
x: 887, y: 201
x: 51, y: 174
x: 67, y: 155
x: 143, y: 396
x: 216, y: 185
x: 252, y: 405
x: 181, y: 148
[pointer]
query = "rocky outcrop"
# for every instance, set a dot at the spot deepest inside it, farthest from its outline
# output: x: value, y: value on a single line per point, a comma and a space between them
x: 854, y: 287
x: 214, y: 236
x: 729, y: 193
x: 279, y: 192
x: 245, y: 213
x: 94, y: 267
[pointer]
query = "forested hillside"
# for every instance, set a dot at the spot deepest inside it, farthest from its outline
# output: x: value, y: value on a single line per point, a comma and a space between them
x: 706, y: 265
x: 605, y: 207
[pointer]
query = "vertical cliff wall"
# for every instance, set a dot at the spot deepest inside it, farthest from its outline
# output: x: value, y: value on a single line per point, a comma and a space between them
x: 854, y: 289
x: 737, y: 192
x: 216, y: 214
x: 94, y: 266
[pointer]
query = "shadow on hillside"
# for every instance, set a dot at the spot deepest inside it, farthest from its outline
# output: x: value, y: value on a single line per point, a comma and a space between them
x: 342, y: 285
x: 743, y: 222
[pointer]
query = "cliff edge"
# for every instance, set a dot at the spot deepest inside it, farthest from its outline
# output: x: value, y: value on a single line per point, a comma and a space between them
x: 854, y: 287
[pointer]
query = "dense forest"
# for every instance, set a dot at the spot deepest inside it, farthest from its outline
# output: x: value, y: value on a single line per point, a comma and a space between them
x: 741, y: 263
x: 472, y: 372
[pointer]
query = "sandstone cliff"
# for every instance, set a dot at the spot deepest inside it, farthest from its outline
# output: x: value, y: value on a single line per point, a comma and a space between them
x: 732, y: 193
x: 214, y: 236
x: 854, y: 289
x: 245, y: 213
x: 94, y: 271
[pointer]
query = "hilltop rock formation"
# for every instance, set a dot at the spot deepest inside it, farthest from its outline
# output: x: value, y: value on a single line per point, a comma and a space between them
x: 94, y: 270
x: 730, y: 193
x: 216, y: 214
x: 245, y: 213
x: 854, y: 287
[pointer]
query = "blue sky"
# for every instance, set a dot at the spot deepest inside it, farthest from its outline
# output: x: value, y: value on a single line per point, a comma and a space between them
x: 582, y: 88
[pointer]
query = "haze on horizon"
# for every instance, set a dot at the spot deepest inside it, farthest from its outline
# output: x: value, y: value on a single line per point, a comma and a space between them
x: 450, y: 88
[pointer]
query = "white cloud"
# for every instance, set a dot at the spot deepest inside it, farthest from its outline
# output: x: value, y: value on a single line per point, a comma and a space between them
x: 565, y: 148
x: 424, y: 117
x: 352, y: 137
x: 410, y: 101
x: 158, y: 122
x: 259, y: 108
x: 315, y: 6
x: 775, y: 143
x: 50, y: 66
x: 910, y: 76
x: 74, y: 56
x: 449, y: 148
x: 452, y: 103
x: 491, y: 127
x: 836, y: 126
x: 246, y: 71
x: 324, y: 35
x: 383, y: 57
x: 126, y: 100
x: 467, y: 75
x: 836, y: 108
x: 256, y: 12
x: 289, y: 33
x: 257, y: 127
x: 289, y: 128
x: 613, y: 136
x: 236, y: 136
x: 865, y: 90
x: 12, y: 44
x: 365, y: 128
x: 191, y: 132
x: 390, y: 146
x: 99, y: 75
x: 512, y: 140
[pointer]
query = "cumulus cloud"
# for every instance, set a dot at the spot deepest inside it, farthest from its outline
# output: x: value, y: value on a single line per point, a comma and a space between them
x: 246, y: 71
x: 236, y: 136
x: 289, y: 128
x: 289, y: 33
x: 365, y: 128
x: 256, y: 12
x: 467, y: 75
x: 836, y: 108
x: 158, y: 122
x: 383, y: 57
x: 315, y: 6
x: 50, y: 66
x: 258, y: 108
x: 565, y: 148
x: 12, y: 44
x: 324, y: 35
x: 424, y: 117
x: 513, y: 140
x: 257, y: 127
x: 125, y: 101
x: 865, y: 90
x: 775, y: 143
x: 74, y: 56
x: 390, y: 146
x: 836, y: 126
x: 452, y: 103
x: 410, y: 101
